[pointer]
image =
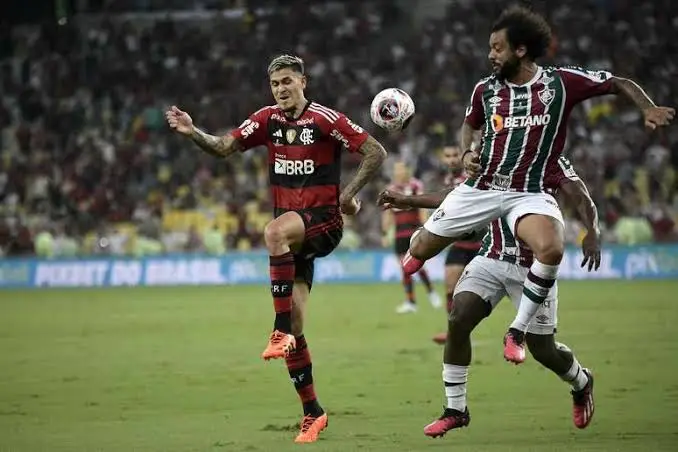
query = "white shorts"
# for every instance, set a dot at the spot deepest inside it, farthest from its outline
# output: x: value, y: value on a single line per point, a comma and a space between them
x: 466, y: 209
x: 492, y: 279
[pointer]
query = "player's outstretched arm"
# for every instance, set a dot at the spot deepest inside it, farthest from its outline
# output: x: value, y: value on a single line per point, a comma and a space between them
x: 577, y: 195
x: 389, y: 198
x: 215, y: 145
x: 181, y: 122
x: 654, y: 116
x: 374, y: 155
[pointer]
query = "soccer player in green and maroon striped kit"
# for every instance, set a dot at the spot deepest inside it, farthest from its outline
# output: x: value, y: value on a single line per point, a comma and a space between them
x: 523, y: 109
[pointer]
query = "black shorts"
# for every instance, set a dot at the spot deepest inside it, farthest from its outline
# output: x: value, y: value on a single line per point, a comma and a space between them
x: 402, y: 244
x: 324, y: 230
x: 459, y: 256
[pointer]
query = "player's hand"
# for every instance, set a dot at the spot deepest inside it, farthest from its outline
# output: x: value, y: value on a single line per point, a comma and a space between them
x: 471, y: 164
x: 590, y: 246
x: 388, y: 199
x: 349, y: 206
x: 658, y: 116
x: 179, y: 121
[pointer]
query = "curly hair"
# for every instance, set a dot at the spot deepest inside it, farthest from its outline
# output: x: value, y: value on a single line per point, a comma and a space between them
x: 525, y: 28
x: 286, y: 61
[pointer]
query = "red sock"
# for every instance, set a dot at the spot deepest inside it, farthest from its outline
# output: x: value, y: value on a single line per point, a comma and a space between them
x: 282, y: 281
x: 411, y: 264
x: 300, y: 368
x: 450, y: 301
x: 423, y: 274
x: 407, y: 284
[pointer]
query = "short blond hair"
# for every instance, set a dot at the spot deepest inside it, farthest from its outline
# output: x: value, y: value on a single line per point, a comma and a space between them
x: 286, y: 61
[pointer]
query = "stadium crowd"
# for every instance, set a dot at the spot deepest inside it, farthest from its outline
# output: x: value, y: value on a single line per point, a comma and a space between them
x: 89, y: 166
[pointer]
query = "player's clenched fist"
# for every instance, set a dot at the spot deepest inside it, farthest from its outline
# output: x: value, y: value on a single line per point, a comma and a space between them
x: 388, y: 199
x: 349, y: 206
x: 179, y: 121
x: 658, y: 116
x: 471, y: 161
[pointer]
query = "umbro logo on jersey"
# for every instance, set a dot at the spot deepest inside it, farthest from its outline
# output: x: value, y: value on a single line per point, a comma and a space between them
x: 495, y: 101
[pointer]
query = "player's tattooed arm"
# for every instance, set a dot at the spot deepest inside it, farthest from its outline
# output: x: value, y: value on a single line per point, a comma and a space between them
x: 654, y: 116
x: 217, y: 146
x: 470, y: 157
x: 468, y: 135
x: 633, y: 91
x: 578, y: 197
x: 374, y: 155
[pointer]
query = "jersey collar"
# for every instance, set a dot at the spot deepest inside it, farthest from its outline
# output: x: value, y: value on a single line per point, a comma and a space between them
x: 533, y: 80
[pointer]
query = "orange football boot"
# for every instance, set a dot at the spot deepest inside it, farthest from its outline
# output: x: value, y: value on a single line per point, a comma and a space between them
x: 279, y: 345
x: 311, y: 428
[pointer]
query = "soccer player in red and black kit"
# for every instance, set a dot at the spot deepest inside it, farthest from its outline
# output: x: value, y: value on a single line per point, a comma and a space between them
x: 461, y: 252
x: 305, y: 141
x: 406, y: 222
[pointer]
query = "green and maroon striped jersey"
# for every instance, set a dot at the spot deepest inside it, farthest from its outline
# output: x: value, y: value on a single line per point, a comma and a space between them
x: 499, y: 243
x: 526, y: 125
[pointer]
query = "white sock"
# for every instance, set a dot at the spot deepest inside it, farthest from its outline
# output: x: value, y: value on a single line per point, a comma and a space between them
x: 536, y: 288
x: 455, y: 378
x: 575, y: 376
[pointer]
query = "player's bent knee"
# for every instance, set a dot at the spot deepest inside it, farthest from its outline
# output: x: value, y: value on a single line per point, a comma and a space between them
x: 274, y: 234
x: 551, y: 252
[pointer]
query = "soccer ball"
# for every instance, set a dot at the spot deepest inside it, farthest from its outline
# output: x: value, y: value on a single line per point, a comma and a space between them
x: 392, y: 109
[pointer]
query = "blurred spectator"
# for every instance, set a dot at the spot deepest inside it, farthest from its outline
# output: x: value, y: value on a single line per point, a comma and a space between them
x: 83, y: 141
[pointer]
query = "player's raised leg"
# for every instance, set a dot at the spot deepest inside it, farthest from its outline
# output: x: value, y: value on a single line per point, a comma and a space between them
x: 559, y: 358
x: 300, y: 368
x: 467, y: 311
x: 280, y: 235
x: 544, y: 235
x: 423, y: 246
x: 464, y: 211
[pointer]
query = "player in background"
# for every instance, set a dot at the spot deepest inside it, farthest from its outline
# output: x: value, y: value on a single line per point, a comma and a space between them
x: 305, y: 142
x: 459, y: 253
x: 524, y: 110
x: 498, y: 271
x: 406, y: 221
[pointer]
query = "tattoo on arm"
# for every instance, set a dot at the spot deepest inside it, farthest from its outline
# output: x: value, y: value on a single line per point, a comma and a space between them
x: 215, y: 145
x: 578, y: 196
x: 374, y: 155
x: 632, y: 91
x: 467, y: 135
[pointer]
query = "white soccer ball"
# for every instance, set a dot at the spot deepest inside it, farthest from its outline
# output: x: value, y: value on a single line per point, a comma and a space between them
x: 392, y: 109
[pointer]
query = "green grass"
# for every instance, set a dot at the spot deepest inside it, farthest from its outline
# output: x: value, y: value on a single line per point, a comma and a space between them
x: 178, y: 369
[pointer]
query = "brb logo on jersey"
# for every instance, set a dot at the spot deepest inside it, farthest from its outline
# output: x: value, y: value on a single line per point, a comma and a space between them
x: 500, y: 123
x: 293, y: 167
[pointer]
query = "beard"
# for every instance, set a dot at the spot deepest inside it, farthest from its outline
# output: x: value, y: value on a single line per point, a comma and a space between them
x: 509, y: 69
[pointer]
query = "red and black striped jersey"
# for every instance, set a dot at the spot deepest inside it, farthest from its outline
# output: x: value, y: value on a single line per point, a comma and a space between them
x: 304, y: 154
x: 407, y: 221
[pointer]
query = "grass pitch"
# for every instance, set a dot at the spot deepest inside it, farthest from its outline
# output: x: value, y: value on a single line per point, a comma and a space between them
x: 178, y: 369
